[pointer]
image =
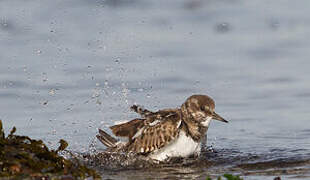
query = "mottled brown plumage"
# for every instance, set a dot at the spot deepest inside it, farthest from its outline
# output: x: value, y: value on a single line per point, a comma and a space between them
x: 156, y: 130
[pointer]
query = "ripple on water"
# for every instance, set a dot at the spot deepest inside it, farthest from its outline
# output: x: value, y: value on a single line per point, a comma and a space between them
x: 210, y: 163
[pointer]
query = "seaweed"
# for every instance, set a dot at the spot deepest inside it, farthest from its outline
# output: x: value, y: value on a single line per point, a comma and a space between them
x: 228, y: 177
x: 23, y: 157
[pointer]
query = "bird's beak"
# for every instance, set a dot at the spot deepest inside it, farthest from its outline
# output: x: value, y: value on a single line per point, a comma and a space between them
x: 218, y: 117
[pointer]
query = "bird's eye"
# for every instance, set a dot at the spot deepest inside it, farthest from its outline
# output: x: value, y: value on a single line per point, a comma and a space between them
x: 202, y: 108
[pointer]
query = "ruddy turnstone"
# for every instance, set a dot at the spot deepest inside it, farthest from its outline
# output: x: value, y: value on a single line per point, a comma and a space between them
x: 166, y: 133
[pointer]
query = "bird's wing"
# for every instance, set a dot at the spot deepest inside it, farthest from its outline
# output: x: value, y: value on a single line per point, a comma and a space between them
x: 106, y: 139
x: 140, y: 110
x: 155, y: 135
x: 128, y: 129
x: 133, y: 127
x: 145, y: 113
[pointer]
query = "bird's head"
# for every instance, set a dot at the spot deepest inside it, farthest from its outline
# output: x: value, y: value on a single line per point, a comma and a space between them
x: 201, y: 109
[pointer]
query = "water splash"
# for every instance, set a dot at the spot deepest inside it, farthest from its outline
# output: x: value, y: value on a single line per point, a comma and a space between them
x: 212, y: 162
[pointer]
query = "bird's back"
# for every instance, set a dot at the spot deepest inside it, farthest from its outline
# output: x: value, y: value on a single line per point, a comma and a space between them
x: 148, y: 134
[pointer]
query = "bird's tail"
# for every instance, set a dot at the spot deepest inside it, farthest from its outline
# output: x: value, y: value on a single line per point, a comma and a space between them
x: 106, y: 139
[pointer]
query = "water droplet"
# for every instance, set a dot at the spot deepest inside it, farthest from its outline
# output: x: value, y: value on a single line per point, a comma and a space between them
x: 106, y: 82
x: 223, y: 27
x: 117, y: 60
x: 98, y: 102
x: 44, y: 103
x: 274, y: 24
x: 44, y: 77
x: 54, y: 132
x: 197, y: 82
x: 52, y: 91
x: 148, y: 96
x: 96, y: 93
x: 39, y: 52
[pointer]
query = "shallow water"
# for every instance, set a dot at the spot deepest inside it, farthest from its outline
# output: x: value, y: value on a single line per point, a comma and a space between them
x: 69, y: 67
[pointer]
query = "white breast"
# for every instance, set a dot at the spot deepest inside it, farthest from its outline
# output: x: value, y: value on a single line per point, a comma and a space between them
x: 183, y: 146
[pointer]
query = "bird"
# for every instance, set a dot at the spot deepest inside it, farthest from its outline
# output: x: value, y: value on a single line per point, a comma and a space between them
x: 166, y: 133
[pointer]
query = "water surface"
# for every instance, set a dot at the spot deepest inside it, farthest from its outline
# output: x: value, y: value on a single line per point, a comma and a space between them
x: 69, y: 67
